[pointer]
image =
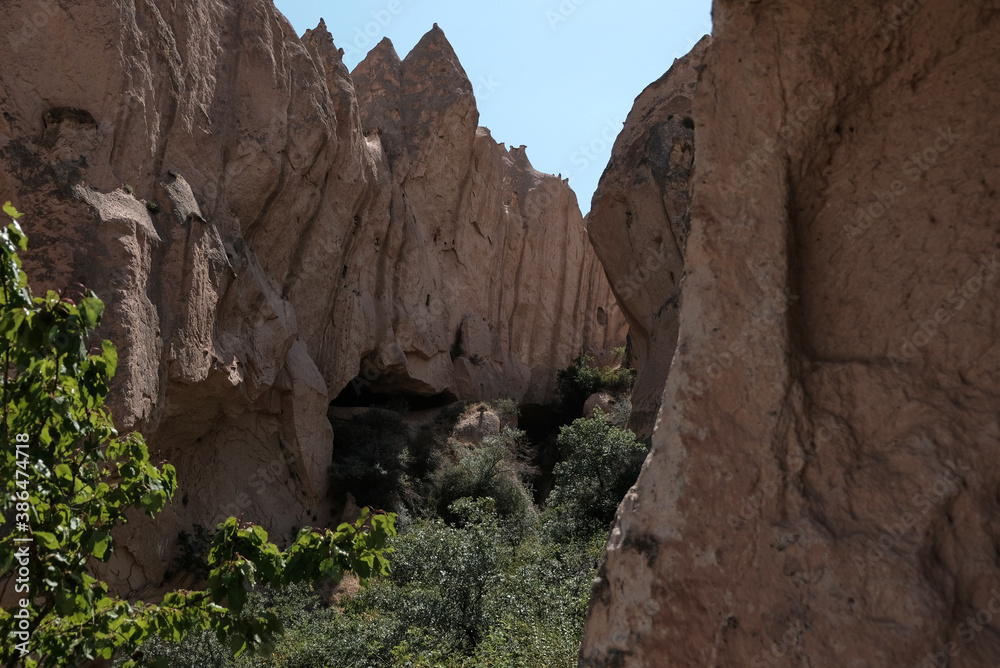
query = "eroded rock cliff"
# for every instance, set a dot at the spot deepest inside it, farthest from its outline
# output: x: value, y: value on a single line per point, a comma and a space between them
x: 262, y: 239
x: 639, y: 222
x: 821, y: 489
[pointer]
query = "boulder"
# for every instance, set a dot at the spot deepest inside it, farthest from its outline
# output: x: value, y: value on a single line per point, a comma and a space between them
x: 599, y: 400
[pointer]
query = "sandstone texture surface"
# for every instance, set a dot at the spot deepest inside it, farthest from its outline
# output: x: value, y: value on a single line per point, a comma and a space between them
x: 822, y: 485
x: 269, y: 231
x: 639, y: 222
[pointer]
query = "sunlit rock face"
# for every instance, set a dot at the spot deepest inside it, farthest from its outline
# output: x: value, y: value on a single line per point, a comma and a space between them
x: 269, y: 231
x: 822, y: 485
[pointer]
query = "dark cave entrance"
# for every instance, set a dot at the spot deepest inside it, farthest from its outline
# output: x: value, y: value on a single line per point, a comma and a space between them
x: 359, y: 394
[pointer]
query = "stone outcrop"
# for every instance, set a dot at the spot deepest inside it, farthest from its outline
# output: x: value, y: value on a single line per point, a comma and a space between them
x: 495, y: 284
x: 268, y: 230
x: 821, y: 489
x: 599, y: 401
x: 639, y: 222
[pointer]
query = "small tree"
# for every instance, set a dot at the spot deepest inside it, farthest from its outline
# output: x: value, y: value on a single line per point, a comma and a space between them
x: 69, y: 479
x: 599, y: 463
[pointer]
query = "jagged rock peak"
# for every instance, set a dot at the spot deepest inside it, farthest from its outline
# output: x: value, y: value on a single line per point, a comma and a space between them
x: 384, y: 53
x: 435, y: 49
x: 313, y: 253
x: 520, y: 157
x: 321, y: 38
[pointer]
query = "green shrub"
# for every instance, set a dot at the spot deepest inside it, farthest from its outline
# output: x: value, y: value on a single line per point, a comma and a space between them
x: 493, y: 470
x: 446, y: 573
x: 460, y: 595
x: 467, y: 596
x: 621, y: 413
x: 599, y: 463
x: 506, y: 409
x: 198, y: 650
x: 577, y: 382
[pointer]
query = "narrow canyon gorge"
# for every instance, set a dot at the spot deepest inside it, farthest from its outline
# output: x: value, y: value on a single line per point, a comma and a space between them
x: 797, y: 239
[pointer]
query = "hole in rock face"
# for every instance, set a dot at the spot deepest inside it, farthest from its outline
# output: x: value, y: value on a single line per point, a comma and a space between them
x: 359, y: 394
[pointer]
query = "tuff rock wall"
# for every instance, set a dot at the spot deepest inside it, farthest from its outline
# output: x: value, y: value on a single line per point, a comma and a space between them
x: 265, y: 228
x: 823, y: 483
x: 639, y: 222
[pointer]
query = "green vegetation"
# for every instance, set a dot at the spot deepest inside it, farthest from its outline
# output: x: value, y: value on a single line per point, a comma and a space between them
x: 506, y: 410
x: 600, y: 463
x: 70, y: 479
x: 577, y: 382
x: 481, y: 576
x: 621, y: 354
x: 484, y: 573
x: 495, y: 470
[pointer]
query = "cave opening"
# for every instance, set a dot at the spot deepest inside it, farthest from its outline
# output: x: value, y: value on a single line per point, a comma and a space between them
x: 359, y: 394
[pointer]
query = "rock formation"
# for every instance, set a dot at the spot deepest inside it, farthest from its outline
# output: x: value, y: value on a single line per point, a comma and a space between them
x: 639, y: 222
x: 269, y: 230
x: 822, y: 484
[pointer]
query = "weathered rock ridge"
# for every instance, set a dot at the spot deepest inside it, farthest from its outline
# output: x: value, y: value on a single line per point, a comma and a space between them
x: 822, y: 484
x: 639, y: 222
x: 266, y: 228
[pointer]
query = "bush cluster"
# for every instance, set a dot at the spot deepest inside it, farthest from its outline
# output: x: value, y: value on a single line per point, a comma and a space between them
x: 459, y: 595
x: 600, y: 462
x: 481, y: 575
x: 584, y: 378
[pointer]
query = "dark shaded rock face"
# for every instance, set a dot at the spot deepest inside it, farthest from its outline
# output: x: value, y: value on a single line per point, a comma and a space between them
x: 822, y: 485
x: 269, y: 231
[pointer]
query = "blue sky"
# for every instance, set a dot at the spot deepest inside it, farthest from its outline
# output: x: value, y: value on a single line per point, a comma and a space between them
x: 559, y: 76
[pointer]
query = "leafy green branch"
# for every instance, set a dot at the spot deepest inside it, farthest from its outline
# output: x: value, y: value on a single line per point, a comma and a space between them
x: 70, y: 479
